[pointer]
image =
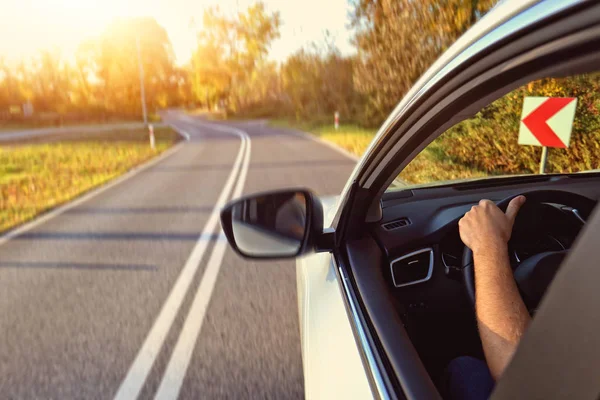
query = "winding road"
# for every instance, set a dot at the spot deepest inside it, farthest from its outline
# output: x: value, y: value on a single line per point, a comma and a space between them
x: 132, y: 292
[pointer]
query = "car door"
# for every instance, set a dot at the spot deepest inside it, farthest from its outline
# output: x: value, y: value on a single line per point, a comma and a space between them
x: 331, y: 359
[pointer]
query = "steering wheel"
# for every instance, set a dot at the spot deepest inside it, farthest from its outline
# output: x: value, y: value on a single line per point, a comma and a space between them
x: 534, y: 274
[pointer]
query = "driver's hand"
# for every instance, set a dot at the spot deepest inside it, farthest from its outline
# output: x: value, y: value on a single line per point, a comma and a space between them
x: 486, y: 229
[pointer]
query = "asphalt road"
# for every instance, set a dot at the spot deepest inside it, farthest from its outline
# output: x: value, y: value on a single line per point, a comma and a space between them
x: 133, y: 292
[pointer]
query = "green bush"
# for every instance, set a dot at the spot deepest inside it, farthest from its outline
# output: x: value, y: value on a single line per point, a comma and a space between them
x: 488, y: 142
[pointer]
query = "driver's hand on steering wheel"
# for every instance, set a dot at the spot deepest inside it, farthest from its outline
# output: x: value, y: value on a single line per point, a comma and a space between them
x: 486, y: 229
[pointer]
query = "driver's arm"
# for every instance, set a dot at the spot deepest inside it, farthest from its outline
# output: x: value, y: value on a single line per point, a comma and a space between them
x: 501, y: 314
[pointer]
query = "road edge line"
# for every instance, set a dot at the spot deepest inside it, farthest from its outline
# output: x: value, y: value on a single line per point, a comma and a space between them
x: 176, y: 369
x: 55, y: 212
x: 181, y: 132
x: 327, y: 143
x: 337, y: 148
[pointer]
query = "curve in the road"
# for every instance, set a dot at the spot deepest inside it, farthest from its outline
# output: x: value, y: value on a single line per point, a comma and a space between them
x: 173, y: 378
x: 180, y: 358
x: 81, y: 291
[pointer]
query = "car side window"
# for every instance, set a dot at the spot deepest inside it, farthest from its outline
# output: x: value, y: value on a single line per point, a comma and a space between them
x: 506, y: 137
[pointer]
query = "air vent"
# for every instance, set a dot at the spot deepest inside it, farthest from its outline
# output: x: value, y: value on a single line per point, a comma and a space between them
x: 398, y: 223
x: 415, y: 267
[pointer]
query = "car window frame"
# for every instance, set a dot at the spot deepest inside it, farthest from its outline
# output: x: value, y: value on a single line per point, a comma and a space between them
x: 410, y: 127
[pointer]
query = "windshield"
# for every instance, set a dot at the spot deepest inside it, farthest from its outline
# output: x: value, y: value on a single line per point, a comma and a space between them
x: 547, y: 126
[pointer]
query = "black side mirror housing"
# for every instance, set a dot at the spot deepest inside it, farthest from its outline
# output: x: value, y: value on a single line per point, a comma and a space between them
x: 274, y: 225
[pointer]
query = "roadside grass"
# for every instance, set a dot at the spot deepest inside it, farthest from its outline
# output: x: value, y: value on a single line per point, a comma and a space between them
x: 207, y: 114
x: 431, y: 165
x: 37, y: 177
x: 349, y: 137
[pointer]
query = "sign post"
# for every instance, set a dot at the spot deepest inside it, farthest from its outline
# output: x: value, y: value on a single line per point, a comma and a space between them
x: 543, y: 160
x: 547, y: 122
x: 151, y: 134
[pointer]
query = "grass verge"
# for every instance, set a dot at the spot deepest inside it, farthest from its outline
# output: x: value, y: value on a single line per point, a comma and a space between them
x: 209, y: 115
x: 431, y: 165
x: 39, y: 176
x: 349, y: 137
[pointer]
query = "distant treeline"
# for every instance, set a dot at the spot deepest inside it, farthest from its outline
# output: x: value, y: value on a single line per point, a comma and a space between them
x: 396, y: 41
x: 101, y: 82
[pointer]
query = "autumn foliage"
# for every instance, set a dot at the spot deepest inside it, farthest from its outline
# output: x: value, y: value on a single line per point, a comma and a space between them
x: 488, y: 141
x: 230, y: 70
x: 100, y: 82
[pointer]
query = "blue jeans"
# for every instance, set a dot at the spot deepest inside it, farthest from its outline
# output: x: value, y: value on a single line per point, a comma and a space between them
x: 467, y: 378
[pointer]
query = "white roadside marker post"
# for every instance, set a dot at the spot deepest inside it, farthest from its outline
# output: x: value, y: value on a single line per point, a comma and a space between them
x: 151, y: 134
x: 336, y: 119
x: 543, y: 160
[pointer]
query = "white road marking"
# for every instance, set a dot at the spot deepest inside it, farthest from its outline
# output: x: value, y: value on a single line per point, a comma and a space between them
x: 181, y: 132
x: 141, y: 366
x: 95, y: 192
x: 180, y: 358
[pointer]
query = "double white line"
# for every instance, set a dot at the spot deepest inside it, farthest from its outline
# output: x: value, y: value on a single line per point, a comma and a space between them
x: 180, y: 358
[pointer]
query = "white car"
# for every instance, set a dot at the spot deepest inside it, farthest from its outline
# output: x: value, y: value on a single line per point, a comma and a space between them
x: 385, y: 286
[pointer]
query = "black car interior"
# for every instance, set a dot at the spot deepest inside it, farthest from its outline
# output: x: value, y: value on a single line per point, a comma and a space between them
x: 418, y: 248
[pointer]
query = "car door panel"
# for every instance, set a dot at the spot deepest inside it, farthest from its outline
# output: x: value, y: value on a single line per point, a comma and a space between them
x: 333, y: 367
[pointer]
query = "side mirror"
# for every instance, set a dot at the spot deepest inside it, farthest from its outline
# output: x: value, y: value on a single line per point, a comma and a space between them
x: 278, y: 224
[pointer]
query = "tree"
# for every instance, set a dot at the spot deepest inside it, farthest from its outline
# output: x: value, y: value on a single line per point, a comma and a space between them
x: 51, y: 82
x: 10, y: 93
x: 397, y: 40
x: 102, y: 79
x: 318, y: 82
x: 112, y: 61
x: 210, y: 78
x: 230, y: 52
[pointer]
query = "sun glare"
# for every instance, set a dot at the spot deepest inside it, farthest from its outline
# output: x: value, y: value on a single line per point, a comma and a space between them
x: 56, y: 24
x: 34, y: 25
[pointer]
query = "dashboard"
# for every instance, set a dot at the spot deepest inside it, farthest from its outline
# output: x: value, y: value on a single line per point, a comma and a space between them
x: 421, y: 251
x: 419, y: 238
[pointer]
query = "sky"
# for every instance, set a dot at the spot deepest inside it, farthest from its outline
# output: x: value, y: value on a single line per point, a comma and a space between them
x: 28, y: 26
